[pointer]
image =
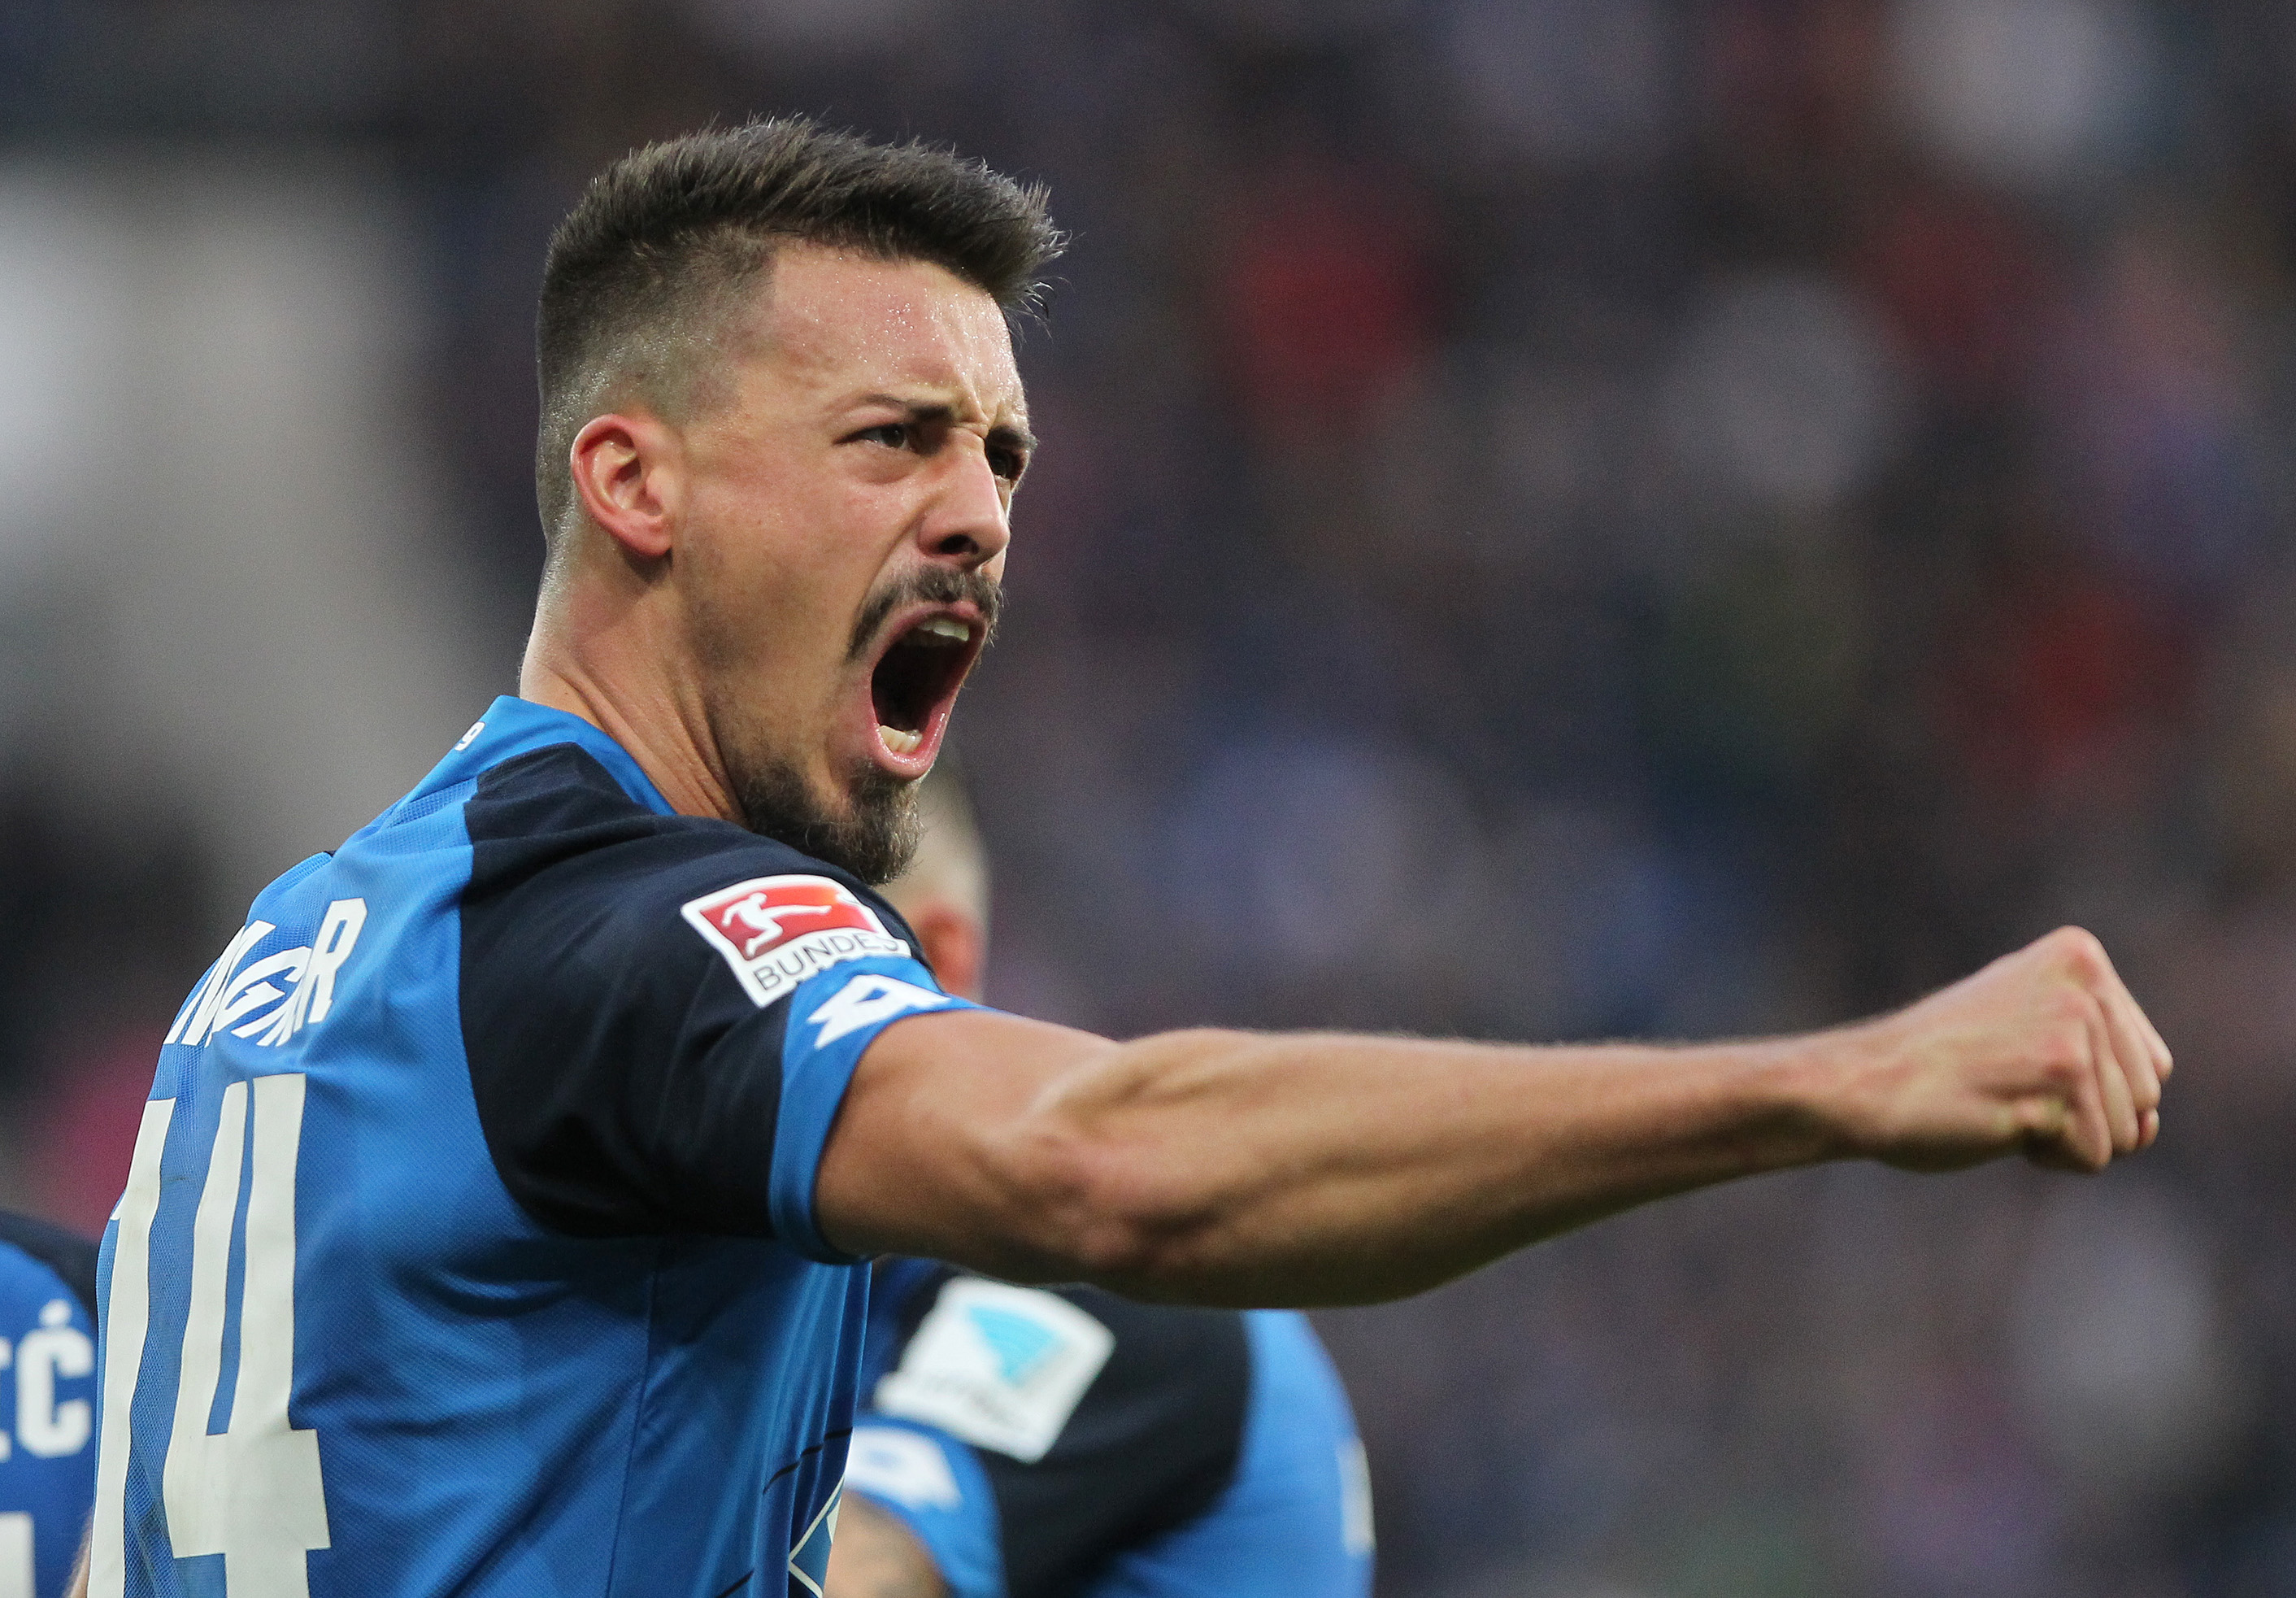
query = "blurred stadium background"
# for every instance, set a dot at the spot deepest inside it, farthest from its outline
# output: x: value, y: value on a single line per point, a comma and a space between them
x: 1562, y: 518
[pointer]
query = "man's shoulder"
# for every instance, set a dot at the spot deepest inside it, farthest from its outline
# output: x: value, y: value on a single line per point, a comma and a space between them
x: 581, y: 898
x: 554, y: 824
x: 622, y: 991
x: 560, y: 801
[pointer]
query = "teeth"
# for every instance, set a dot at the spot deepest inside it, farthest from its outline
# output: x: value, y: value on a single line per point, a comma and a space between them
x: 945, y: 627
x: 899, y: 742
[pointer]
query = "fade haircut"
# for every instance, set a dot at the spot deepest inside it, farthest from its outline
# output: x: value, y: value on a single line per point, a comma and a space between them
x: 666, y: 244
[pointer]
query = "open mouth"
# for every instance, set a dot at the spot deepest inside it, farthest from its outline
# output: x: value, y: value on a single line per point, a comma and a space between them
x: 917, y: 678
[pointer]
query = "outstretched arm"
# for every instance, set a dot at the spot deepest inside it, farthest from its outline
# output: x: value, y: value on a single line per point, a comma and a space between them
x: 1223, y: 1167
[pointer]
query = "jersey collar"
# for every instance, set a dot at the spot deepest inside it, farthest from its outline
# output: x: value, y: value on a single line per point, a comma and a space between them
x: 513, y: 726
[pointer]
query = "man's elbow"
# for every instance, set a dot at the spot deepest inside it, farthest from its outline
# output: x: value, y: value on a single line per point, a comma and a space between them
x: 1113, y: 1210
x: 1121, y: 1236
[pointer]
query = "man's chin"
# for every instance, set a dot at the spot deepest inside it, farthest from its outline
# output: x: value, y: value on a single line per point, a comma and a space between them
x: 872, y: 835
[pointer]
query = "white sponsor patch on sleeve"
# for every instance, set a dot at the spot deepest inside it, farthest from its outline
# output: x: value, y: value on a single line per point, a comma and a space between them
x: 777, y: 931
x: 998, y: 1366
x: 907, y: 1467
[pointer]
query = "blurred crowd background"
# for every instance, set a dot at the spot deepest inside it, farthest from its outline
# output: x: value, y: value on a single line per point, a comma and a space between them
x: 1559, y: 519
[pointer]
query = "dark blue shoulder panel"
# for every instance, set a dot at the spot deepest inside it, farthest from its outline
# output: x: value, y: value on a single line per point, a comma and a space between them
x: 627, y: 1072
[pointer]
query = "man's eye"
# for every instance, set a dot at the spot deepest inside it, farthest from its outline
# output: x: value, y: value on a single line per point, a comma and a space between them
x: 893, y: 435
x: 1007, y: 464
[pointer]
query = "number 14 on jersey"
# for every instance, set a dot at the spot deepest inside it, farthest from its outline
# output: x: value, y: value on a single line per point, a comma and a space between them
x: 252, y: 1491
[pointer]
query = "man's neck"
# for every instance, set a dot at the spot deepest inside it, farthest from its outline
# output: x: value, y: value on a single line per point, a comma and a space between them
x: 666, y: 734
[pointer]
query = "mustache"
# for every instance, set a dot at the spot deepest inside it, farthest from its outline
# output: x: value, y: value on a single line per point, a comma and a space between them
x: 935, y: 585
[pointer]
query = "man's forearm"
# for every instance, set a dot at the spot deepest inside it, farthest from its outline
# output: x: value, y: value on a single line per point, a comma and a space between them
x: 1221, y: 1168
x: 1394, y: 1165
x: 1233, y: 1168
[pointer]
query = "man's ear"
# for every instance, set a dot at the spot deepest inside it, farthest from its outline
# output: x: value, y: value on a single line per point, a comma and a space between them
x: 629, y: 470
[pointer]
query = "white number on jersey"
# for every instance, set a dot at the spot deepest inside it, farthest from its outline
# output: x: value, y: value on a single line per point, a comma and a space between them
x: 16, y: 1569
x: 252, y: 1493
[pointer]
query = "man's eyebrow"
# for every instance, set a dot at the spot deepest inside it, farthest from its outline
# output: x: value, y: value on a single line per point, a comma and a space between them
x: 933, y: 413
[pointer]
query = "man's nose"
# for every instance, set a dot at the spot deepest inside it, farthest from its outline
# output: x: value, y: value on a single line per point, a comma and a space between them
x: 967, y: 522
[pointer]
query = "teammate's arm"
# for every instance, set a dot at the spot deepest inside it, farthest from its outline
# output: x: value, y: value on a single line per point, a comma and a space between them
x: 1239, y: 1169
x: 876, y: 1557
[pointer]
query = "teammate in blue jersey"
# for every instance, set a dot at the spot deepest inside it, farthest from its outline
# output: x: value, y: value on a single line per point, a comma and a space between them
x: 498, y: 1220
x: 47, y: 1468
x: 1023, y: 1442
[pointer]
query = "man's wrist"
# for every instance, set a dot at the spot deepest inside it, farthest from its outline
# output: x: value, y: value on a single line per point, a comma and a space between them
x: 1813, y: 1089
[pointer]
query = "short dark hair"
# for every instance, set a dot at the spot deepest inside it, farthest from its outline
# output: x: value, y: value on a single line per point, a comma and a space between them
x: 662, y: 241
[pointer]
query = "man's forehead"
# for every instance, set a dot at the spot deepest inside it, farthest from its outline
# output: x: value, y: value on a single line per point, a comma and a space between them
x: 835, y: 321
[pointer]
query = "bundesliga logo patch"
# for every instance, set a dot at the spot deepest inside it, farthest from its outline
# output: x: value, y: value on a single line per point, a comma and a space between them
x: 777, y: 931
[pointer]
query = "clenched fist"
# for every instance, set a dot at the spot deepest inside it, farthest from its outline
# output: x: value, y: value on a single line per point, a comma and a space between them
x: 2043, y: 1051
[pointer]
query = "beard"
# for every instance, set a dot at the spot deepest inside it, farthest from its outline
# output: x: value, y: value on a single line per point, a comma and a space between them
x: 875, y: 836
x: 874, y: 840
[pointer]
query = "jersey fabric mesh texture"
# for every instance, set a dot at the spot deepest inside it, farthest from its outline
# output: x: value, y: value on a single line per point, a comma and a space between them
x: 1212, y: 1453
x: 498, y: 1187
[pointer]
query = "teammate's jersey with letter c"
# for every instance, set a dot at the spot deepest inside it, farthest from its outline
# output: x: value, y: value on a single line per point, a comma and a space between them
x: 469, y: 1242
x: 48, y: 1361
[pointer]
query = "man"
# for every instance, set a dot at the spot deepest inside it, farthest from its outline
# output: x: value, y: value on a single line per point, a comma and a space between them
x: 47, y: 1470
x: 1021, y: 1441
x: 497, y: 1220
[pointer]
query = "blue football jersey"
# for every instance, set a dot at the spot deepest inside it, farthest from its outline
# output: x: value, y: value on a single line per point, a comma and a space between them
x: 468, y: 1244
x: 47, y: 1459
x: 1069, y: 1444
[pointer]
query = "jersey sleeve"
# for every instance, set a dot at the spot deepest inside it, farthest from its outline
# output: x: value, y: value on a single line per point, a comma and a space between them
x: 661, y: 1015
x: 1079, y: 1425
